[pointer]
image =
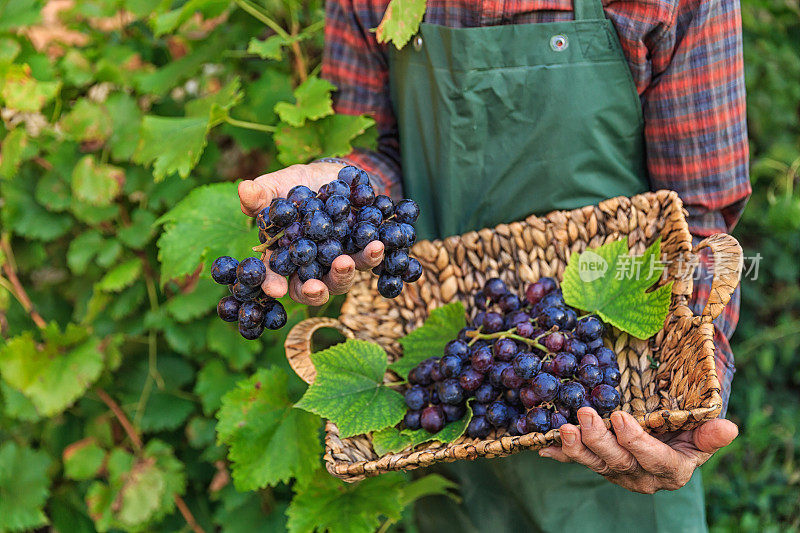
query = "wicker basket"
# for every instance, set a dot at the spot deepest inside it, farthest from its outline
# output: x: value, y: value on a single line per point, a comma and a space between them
x: 678, y: 393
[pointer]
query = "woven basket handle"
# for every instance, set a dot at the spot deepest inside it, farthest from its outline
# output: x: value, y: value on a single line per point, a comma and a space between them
x: 298, y: 344
x: 728, y: 261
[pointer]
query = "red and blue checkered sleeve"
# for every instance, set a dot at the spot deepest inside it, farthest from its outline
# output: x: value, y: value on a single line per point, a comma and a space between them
x: 358, y: 66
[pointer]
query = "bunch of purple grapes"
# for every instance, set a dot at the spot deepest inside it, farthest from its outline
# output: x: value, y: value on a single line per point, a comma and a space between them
x: 247, y: 303
x: 529, y: 363
x: 306, y: 231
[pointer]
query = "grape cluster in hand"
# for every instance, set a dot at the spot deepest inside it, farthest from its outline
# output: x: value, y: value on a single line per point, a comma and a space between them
x: 530, y: 363
x: 247, y: 304
x: 306, y: 231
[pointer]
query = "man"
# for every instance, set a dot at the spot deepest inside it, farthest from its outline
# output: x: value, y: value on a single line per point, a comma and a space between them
x: 496, y: 110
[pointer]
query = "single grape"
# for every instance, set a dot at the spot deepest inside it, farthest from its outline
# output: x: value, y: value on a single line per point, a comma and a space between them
x: 515, y: 317
x: 251, y: 272
x: 510, y: 379
x: 453, y: 412
x: 496, y: 373
x: 494, y: 289
x: 411, y: 420
x: 588, y: 359
x: 478, y: 428
x: 575, y: 347
x: 480, y: 300
x: 552, y: 317
x: 605, y: 398
x: 361, y: 178
x: 545, y: 387
x: 274, y: 315
x: 557, y: 420
x: 492, y: 322
x: 310, y: 205
x: 503, y: 349
x: 611, y: 376
x: 303, y: 251
x: 497, y: 414
x: 406, y: 211
x: 384, y: 204
x: 251, y: 333
x: 338, y: 188
x: 570, y: 320
x: 362, y: 195
x: 416, y: 397
x: 313, y: 270
x: 251, y: 315
x: 450, y: 391
x: 378, y: 270
x: 262, y: 219
x: 538, y: 420
x: 370, y: 214
x: 589, y: 328
x: 317, y: 226
x: 350, y: 247
x: 450, y: 366
x: 525, y: 329
x: 323, y: 193
x: 590, y: 375
x: 228, y: 309
x: 281, y: 263
x: 436, y: 374
x: 292, y: 232
x: 554, y: 342
x: 242, y: 292
x: 486, y: 393
x: 549, y: 284
x: 337, y: 207
x: 457, y: 347
x: 363, y: 234
x: 339, y: 230
x: 509, y: 302
x: 528, y: 397
x: 223, y: 271
x: 282, y: 212
x: 432, y: 419
x: 470, y: 379
x: 409, y: 234
x: 526, y: 365
x: 534, y: 293
x: 564, y: 364
x: 413, y: 271
x: 482, y: 359
x: 327, y: 251
x: 348, y: 173
x: 478, y: 320
x: 593, y: 346
x: 571, y: 395
x: 420, y: 374
x: 478, y: 409
x: 389, y: 286
x: 605, y: 357
x: 511, y: 397
x: 391, y: 235
x: 395, y: 262
x: 299, y: 194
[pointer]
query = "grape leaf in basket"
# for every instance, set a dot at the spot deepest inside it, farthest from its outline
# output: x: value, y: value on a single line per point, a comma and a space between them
x: 428, y: 340
x: 393, y: 440
x: 610, y: 282
x: 349, y: 389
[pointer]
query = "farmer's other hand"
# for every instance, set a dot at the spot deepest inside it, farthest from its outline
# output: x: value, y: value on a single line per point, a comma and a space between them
x: 635, y: 460
x: 257, y: 194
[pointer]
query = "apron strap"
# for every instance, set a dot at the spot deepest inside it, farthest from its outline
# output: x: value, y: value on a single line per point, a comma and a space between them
x: 588, y: 9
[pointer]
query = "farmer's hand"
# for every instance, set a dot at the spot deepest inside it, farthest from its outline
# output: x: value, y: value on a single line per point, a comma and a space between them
x: 634, y: 459
x: 258, y: 193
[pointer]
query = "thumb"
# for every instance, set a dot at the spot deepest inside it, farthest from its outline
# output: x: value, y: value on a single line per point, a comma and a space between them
x: 254, y: 196
x: 714, y: 434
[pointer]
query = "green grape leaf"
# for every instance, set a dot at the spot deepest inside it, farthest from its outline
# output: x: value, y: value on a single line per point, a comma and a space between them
x: 213, y: 382
x: 270, y: 48
x: 53, y: 192
x: 349, y: 390
x: 23, y: 92
x: 12, y: 152
x: 87, y: 121
x: 25, y: 216
x: 141, y: 494
x: 96, y: 183
x: 260, y: 98
x: 17, y: 405
x: 171, y: 20
x: 216, y: 103
x: 139, y: 233
x: 121, y: 276
x: 393, y: 440
x: 428, y: 340
x: 243, y: 513
x: 19, y: 13
x: 225, y: 340
x: 400, y: 21
x: 176, y: 72
x: 9, y: 50
x: 329, y: 137
x: 83, y: 459
x: 171, y: 144
x: 56, y: 372
x: 24, y: 487
x: 189, y: 306
x: 126, y: 121
x: 164, y: 410
x: 211, y: 211
x: 430, y: 485
x: 610, y: 282
x: 76, y: 68
x: 269, y: 440
x: 329, y: 504
x: 312, y: 101
x: 389, y: 440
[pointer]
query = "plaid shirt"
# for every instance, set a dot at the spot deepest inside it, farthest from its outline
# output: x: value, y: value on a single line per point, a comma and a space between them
x: 686, y: 60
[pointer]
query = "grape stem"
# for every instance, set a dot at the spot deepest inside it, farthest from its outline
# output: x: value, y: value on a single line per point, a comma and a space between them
x: 473, y: 341
x: 261, y: 248
x: 510, y: 334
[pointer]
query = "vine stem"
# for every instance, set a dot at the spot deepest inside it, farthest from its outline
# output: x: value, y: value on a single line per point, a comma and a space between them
x: 250, y: 125
x: 9, y: 267
x: 136, y: 440
x: 506, y: 335
x: 263, y: 17
x: 269, y: 242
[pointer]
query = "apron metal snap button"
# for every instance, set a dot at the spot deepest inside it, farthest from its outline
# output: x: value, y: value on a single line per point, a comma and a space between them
x: 418, y: 43
x: 559, y: 42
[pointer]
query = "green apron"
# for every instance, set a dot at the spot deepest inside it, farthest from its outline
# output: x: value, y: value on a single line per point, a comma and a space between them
x: 497, y: 123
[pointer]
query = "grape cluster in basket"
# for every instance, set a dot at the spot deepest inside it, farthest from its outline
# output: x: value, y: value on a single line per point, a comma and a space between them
x: 529, y: 363
x: 306, y: 231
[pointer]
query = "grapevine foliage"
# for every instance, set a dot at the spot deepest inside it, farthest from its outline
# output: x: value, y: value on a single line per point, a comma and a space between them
x: 124, y: 403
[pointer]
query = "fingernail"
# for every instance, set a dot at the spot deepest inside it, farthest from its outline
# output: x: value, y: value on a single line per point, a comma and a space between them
x: 376, y: 255
x: 544, y: 453
x: 568, y: 438
x: 346, y: 270
x: 315, y: 294
x: 618, y: 421
x: 585, y: 420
